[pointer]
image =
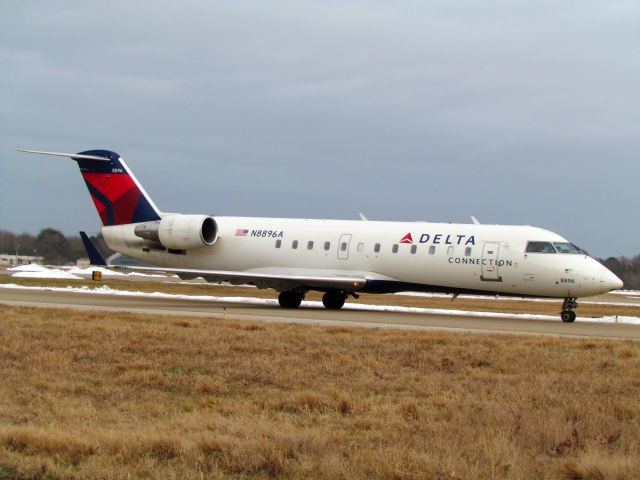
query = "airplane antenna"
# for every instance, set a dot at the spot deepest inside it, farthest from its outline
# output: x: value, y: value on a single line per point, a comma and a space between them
x: 362, y: 217
x: 475, y: 220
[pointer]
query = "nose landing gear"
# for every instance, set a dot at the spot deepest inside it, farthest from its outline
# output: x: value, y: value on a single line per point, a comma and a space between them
x: 568, y: 315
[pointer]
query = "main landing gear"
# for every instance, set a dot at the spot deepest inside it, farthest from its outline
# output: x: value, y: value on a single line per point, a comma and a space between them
x: 568, y: 315
x: 290, y: 299
x: 332, y: 300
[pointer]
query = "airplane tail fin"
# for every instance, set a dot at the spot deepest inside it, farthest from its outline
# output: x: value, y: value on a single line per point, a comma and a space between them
x: 116, y: 193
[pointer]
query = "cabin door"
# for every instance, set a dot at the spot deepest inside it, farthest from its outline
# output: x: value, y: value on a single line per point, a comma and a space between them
x: 490, y: 271
x: 343, y: 246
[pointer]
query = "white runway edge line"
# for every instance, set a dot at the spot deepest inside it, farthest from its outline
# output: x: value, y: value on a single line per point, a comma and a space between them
x: 104, y: 290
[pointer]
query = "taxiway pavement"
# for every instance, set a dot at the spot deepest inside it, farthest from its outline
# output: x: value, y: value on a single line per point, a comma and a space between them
x: 314, y: 316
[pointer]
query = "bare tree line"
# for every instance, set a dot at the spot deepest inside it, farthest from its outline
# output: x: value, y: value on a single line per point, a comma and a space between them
x: 53, y: 245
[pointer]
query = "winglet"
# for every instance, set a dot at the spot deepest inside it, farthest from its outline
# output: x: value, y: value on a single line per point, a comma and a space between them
x: 94, y: 256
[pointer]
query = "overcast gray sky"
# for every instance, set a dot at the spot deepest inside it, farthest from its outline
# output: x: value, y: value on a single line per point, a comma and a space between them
x: 516, y: 112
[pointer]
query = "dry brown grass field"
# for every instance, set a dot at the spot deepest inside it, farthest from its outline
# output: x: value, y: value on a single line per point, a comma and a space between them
x: 472, y: 304
x: 92, y: 395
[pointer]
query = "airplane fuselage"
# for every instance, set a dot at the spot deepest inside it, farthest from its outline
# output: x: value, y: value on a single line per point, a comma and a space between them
x: 392, y: 256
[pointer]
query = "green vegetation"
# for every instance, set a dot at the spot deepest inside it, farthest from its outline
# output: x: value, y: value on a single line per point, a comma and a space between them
x: 92, y: 395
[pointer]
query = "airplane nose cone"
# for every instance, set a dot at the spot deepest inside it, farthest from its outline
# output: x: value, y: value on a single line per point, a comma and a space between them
x: 610, y: 281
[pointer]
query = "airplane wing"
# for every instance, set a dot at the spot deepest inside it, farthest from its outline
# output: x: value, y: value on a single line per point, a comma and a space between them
x: 277, y: 281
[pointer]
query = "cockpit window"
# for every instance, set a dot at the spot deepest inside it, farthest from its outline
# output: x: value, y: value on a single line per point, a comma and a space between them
x: 565, y: 247
x: 540, y: 247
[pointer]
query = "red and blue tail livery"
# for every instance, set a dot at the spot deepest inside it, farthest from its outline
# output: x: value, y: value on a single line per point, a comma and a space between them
x: 115, y: 192
x: 117, y: 195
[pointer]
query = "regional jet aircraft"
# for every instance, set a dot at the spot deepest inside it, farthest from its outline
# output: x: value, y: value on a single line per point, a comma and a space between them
x: 338, y: 257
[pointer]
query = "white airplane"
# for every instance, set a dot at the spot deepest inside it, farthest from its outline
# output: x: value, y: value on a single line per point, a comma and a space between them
x: 338, y: 257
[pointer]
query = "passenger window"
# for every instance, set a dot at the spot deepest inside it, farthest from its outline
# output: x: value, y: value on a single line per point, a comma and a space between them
x: 376, y: 247
x: 414, y: 249
x: 540, y: 247
x: 343, y: 247
x: 450, y: 251
x: 432, y: 250
x: 327, y: 245
x: 278, y: 243
x: 394, y: 249
x: 360, y: 247
x: 310, y: 245
x: 467, y: 252
x: 294, y: 244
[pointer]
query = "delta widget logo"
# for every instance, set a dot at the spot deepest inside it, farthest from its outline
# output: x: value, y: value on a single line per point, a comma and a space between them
x: 407, y: 238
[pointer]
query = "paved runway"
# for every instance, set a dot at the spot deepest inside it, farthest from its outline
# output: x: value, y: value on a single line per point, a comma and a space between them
x: 314, y: 316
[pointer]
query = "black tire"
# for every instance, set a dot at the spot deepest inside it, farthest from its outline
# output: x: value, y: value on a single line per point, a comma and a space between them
x: 568, y: 316
x: 290, y: 299
x: 333, y: 300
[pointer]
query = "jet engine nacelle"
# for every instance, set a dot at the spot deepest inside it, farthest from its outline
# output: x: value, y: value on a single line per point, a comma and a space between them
x: 180, y: 232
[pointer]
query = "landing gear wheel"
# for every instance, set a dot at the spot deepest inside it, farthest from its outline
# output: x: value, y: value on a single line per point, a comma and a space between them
x: 290, y: 299
x: 568, y: 315
x: 333, y: 300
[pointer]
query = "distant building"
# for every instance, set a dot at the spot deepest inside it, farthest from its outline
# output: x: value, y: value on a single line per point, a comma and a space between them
x: 7, y: 260
x: 83, y: 262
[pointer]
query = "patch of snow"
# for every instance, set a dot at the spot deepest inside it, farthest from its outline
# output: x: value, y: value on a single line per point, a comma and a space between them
x: 614, y: 319
x: 106, y: 272
x: 140, y: 274
x: 581, y: 301
x: 89, y: 270
x: 625, y: 292
x: 40, y: 271
x: 47, y: 273
x: 32, y: 267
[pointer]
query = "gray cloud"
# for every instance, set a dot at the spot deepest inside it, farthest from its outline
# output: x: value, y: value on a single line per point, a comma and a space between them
x: 514, y: 112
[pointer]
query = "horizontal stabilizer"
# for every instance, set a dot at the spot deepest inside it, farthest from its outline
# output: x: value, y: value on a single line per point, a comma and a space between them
x: 73, y: 156
x: 92, y: 252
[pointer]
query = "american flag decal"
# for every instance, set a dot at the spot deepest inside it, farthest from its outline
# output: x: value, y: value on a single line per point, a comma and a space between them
x: 241, y: 232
